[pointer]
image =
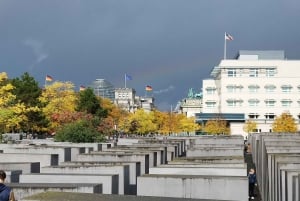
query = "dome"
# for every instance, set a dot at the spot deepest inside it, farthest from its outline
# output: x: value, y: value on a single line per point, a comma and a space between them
x: 103, y: 88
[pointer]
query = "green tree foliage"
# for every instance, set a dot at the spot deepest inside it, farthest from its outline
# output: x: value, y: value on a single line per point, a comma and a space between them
x: 284, y: 123
x: 27, y: 91
x: 89, y: 103
x: 81, y: 131
x: 216, y: 127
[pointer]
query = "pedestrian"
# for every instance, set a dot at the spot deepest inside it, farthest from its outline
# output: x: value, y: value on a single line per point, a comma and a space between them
x: 249, y: 148
x: 252, y: 183
x: 6, y: 194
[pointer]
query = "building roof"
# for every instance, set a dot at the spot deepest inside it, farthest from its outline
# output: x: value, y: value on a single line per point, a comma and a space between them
x: 261, y: 55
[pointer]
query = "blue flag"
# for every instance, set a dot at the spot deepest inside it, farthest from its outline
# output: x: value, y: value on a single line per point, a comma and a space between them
x: 128, y: 77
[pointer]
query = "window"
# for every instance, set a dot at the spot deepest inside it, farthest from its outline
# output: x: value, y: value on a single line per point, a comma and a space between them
x: 286, y: 88
x: 234, y: 88
x: 270, y: 102
x: 253, y: 72
x: 270, y: 88
x: 231, y: 72
x: 270, y: 116
x: 231, y: 89
x: 210, y: 104
x: 270, y: 72
x: 286, y: 103
x: 211, y: 90
x: 253, y: 116
x: 234, y: 102
x: 253, y: 102
x: 256, y: 130
x: 253, y: 88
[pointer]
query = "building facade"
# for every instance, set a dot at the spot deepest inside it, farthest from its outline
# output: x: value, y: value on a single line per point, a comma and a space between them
x: 127, y: 99
x: 257, y: 86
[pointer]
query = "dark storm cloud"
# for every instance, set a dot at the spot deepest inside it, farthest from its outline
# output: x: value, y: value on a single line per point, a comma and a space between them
x: 169, y: 44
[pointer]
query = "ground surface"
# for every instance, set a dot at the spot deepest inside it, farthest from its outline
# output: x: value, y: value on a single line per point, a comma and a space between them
x: 62, y: 196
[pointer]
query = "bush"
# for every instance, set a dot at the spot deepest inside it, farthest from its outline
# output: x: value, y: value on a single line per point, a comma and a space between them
x: 79, y: 131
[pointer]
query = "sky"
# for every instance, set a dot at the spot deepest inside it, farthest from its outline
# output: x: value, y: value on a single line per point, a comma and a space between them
x: 170, y: 45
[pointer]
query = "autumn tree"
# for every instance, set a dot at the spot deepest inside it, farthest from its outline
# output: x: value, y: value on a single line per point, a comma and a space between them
x: 217, y: 126
x: 111, y: 124
x: 284, y: 123
x: 249, y: 126
x: 142, y: 122
x: 27, y: 91
x: 58, y: 98
x: 188, y: 124
x: 160, y: 119
x: 12, y: 113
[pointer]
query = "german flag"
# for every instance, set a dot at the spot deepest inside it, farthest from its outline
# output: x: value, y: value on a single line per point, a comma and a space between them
x: 148, y: 88
x: 49, y: 78
x: 81, y: 88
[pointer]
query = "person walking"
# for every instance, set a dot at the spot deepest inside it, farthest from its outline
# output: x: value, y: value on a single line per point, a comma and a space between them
x: 6, y: 194
x: 252, y: 183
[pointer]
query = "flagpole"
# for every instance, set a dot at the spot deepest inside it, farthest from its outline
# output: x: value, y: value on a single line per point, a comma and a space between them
x: 225, y: 46
x: 125, y: 80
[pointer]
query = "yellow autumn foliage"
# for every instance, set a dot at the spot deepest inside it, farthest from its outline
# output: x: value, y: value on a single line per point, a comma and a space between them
x: 284, y: 123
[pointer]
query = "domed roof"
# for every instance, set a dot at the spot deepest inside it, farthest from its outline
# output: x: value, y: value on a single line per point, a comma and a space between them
x: 103, y: 88
x: 101, y: 83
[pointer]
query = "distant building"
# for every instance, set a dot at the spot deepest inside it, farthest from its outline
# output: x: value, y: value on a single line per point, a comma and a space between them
x: 191, y: 105
x: 126, y: 98
x: 147, y: 103
x: 257, y: 86
x: 103, y: 88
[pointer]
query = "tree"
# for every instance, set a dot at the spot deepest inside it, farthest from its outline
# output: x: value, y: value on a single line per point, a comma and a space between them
x: 160, y: 119
x: 11, y: 112
x: 249, y: 126
x: 27, y: 91
x: 217, y: 126
x: 188, y: 124
x: 112, y: 123
x: 81, y: 131
x: 58, y: 98
x: 284, y: 123
x: 89, y: 103
x: 142, y: 122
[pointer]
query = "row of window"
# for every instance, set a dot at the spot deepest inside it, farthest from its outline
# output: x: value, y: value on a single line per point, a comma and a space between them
x: 253, y: 103
x: 253, y: 89
x: 122, y: 95
x: 253, y: 72
x: 266, y: 116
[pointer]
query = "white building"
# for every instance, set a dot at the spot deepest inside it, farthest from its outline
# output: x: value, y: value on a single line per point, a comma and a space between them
x: 127, y: 99
x: 257, y: 85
